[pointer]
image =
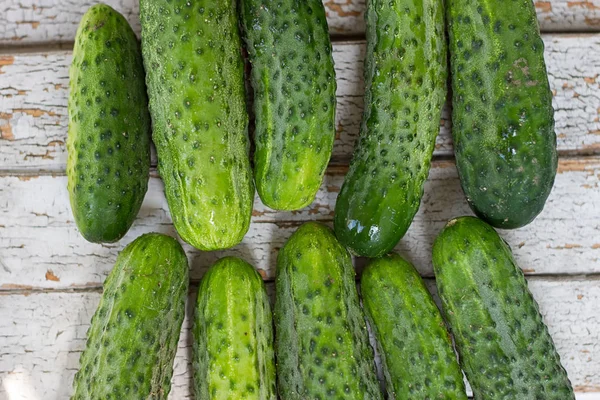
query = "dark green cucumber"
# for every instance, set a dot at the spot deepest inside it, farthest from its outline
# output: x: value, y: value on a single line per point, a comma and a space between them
x: 133, y: 337
x: 109, y: 127
x: 322, y: 343
x: 195, y: 77
x: 405, y: 74
x: 504, y: 346
x: 417, y: 356
x: 502, y: 117
x: 294, y: 98
x: 233, y: 335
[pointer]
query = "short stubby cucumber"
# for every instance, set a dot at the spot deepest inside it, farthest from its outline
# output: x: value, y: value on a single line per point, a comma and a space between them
x: 502, y: 117
x: 195, y: 78
x: 405, y: 79
x: 322, y: 343
x: 109, y: 127
x: 503, y: 343
x: 233, y: 335
x: 133, y: 337
x: 417, y: 356
x: 294, y: 98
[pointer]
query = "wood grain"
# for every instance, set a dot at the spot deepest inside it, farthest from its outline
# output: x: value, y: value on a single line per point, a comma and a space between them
x: 34, y: 89
x: 51, y: 21
x: 40, y: 246
x: 43, y: 334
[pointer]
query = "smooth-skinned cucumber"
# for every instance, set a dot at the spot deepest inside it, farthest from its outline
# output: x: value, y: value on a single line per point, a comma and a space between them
x: 109, y: 127
x: 504, y: 346
x: 416, y: 352
x: 502, y: 116
x: 233, y: 335
x: 195, y: 78
x: 405, y: 80
x: 133, y: 337
x: 322, y: 343
x: 294, y: 98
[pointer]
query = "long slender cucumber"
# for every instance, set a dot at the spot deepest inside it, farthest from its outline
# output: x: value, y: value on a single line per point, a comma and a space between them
x: 405, y: 78
x: 416, y: 351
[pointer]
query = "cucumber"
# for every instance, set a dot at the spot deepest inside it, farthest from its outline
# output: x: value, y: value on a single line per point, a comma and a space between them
x: 405, y: 79
x: 504, y: 346
x: 294, y: 98
x: 109, y: 127
x: 502, y: 117
x: 322, y: 343
x: 417, y: 356
x: 133, y: 337
x: 233, y: 335
x: 195, y: 78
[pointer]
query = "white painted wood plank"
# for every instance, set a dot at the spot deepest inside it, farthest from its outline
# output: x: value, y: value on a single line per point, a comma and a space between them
x: 41, y: 247
x: 43, y: 21
x: 43, y: 334
x: 34, y: 88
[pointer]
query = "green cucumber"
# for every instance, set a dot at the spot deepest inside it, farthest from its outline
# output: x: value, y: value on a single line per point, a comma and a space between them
x: 322, y: 342
x: 504, y: 346
x: 109, y: 127
x: 502, y: 117
x: 417, y: 356
x: 233, y: 335
x: 133, y: 337
x: 294, y: 98
x: 405, y: 79
x: 195, y: 78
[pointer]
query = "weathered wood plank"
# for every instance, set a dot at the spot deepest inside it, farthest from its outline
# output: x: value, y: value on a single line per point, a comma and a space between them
x: 41, y: 247
x: 34, y: 87
x: 43, y: 334
x: 29, y: 21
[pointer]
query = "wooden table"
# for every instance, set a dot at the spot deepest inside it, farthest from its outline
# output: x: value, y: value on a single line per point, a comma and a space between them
x: 51, y: 278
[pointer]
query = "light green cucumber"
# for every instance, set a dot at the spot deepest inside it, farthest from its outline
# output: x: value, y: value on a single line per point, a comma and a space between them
x: 195, y: 78
x: 109, y: 127
x: 294, y: 98
x: 233, y: 335
x: 133, y: 337
x: 416, y: 352
x: 322, y: 343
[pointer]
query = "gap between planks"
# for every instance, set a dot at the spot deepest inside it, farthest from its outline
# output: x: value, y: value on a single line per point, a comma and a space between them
x: 22, y: 290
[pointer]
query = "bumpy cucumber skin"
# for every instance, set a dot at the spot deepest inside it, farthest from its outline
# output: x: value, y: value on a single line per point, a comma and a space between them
x: 294, y: 98
x: 195, y: 78
x: 504, y: 346
x: 109, y: 127
x: 417, y: 356
x: 405, y: 74
x: 133, y: 337
x: 233, y: 335
x: 322, y: 343
x: 503, y: 123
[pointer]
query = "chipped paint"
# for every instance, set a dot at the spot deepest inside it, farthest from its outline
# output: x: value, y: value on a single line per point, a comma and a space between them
x: 588, y: 5
x: 34, y: 112
x: 339, y: 9
x: 5, y: 61
x: 544, y: 6
x: 51, y: 277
